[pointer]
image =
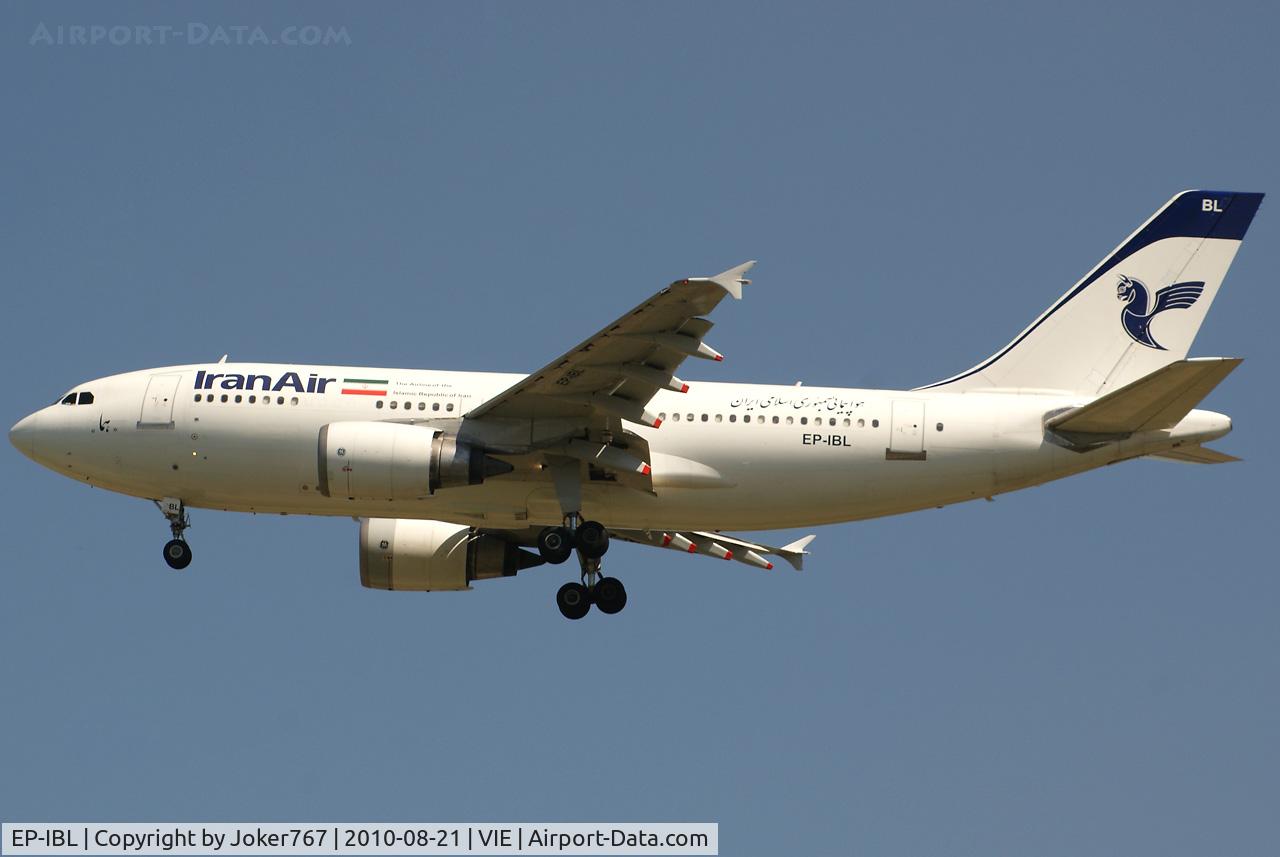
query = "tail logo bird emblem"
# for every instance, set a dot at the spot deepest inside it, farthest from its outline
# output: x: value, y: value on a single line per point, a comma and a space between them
x: 1140, y: 309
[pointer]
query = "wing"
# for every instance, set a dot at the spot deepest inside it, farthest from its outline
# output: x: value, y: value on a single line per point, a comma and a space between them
x: 716, y: 545
x: 1177, y: 296
x: 614, y: 374
x: 719, y: 546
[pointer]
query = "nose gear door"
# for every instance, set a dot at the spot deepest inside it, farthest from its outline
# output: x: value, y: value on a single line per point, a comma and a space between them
x: 157, y: 402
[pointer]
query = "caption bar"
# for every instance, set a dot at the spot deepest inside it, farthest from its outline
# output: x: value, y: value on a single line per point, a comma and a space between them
x: 380, y: 839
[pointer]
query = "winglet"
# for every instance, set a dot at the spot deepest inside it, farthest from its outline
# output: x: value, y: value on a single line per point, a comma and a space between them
x: 795, y: 552
x: 733, y: 280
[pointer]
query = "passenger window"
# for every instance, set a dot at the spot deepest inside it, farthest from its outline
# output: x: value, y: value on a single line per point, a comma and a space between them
x: 831, y: 421
x: 804, y: 421
x: 422, y: 406
x: 675, y: 418
x: 775, y: 421
x: 719, y: 417
x: 704, y: 418
x: 746, y: 418
x: 379, y: 404
x: 862, y: 423
x: 224, y: 397
x: 239, y: 398
x: 279, y: 400
x: 393, y: 404
x: 70, y: 399
x: 435, y: 406
x: 197, y: 397
x: 939, y: 426
x: 86, y: 399
x: 733, y: 418
x: 292, y: 401
x: 662, y: 416
x: 875, y: 424
x: 790, y: 420
x: 449, y: 407
x: 253, y: 400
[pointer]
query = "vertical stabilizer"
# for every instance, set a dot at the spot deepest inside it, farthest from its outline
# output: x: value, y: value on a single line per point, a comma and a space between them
x: 1137, y: 311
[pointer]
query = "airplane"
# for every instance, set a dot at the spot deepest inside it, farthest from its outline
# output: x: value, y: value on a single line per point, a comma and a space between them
x: 456, y: 477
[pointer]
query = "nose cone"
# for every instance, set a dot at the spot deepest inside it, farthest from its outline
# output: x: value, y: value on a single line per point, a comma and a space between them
x: 23, y: 435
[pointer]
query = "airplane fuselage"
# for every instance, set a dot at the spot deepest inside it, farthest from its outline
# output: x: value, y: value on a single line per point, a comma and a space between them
x: 243, y: 437
x: 455, y: 476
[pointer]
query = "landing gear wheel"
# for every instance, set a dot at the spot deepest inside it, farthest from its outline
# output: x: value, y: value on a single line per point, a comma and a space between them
x: 178, y: 554
x: 555, y: 544
x: 610, y: 595
x: 593, y: 539
x: 574, y: 600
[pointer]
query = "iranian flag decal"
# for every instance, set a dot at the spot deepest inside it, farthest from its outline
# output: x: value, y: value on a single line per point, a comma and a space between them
x: 363, y: 387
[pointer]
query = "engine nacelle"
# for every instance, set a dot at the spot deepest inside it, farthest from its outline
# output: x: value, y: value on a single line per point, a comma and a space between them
x: 414, y: 555
x: 395, y: 461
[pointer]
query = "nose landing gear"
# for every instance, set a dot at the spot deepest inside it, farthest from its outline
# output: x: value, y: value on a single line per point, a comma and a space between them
x: 177, y: 553
x: 591, y: 540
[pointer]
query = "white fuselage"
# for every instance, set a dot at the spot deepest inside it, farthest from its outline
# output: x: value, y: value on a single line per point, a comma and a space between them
x: 726, y: 457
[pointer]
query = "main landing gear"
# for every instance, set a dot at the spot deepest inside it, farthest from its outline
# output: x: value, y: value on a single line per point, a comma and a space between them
x: 177, y: 553
x: 591, y: 540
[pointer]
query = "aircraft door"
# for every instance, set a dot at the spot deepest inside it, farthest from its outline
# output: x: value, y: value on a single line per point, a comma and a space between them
x: 157, y: 402
x: 906, y: 431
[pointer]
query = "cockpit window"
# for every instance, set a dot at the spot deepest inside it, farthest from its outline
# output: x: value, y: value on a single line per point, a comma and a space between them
x: 70, y: 399
x: 86, y: 398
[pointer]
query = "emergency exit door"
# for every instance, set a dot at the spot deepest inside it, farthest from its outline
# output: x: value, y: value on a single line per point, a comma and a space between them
x: 906, y: 431
x: 157, y: 402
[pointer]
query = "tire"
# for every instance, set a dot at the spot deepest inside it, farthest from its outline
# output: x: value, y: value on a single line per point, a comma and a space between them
x: 177, y: 554
x: 593, y: 539
x: 610, y: 595
x: 555, y: 544
x: 574, y: 600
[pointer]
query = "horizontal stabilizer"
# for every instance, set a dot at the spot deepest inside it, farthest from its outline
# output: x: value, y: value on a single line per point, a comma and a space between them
x: 1196, y: 455
x: 1151, y: 403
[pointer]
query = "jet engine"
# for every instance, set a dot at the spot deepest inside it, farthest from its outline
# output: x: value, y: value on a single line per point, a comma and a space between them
x: 395, y: 461
x: 408, y: 554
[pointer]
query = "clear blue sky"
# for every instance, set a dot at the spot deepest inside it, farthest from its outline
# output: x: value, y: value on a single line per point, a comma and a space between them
x: 1085, y: 668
